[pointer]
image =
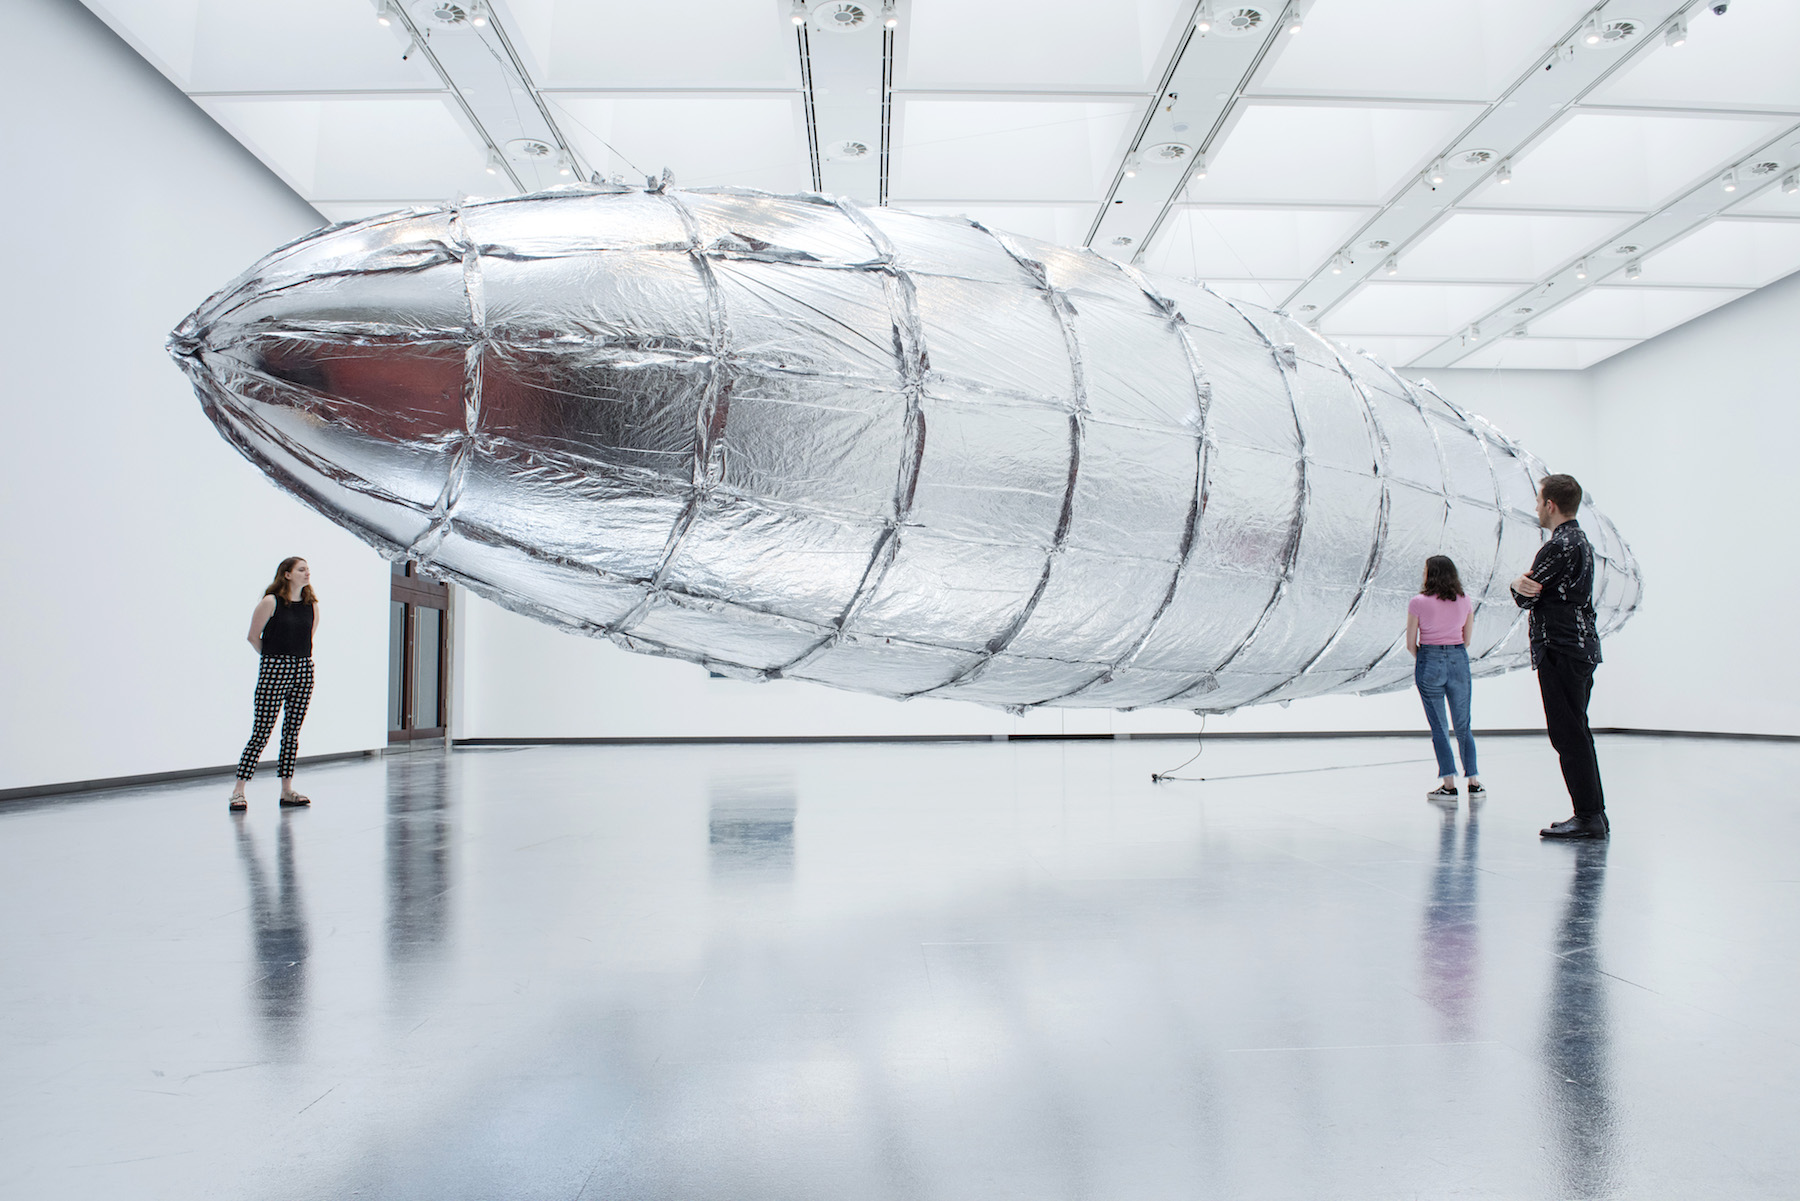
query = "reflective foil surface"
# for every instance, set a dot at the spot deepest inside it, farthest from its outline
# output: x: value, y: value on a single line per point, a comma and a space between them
x: 787, y: 436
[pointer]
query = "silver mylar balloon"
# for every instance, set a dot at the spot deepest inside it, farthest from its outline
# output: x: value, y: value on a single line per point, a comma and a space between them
x: 786, y: 436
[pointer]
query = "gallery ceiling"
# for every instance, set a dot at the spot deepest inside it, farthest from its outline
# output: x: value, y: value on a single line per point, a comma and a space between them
x: 1485, y: 183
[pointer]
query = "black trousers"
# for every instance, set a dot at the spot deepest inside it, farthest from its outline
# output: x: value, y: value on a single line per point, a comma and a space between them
x: 1566, y: 684
x: 283, y: 681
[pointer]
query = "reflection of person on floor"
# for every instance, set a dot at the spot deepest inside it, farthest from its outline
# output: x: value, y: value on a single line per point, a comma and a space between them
x: 1451, y: 951
x: 1577, y: 1037
x: 1438, y: 623
x: 278, y: 929
x: 1565, y: 649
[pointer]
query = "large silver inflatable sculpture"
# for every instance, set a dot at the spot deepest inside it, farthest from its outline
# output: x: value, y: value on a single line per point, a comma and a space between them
x: 786, y: 436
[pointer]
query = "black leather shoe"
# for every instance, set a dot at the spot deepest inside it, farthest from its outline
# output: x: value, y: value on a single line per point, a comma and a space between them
x: 1576, y: 827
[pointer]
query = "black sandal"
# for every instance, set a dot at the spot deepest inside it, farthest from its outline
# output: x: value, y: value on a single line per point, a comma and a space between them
x: 295, y: 800
x: 239, y: 803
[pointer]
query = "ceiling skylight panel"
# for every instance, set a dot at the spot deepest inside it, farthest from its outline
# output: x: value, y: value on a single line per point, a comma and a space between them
x: 1742, y: 254
x: 1545, y: 354
x: 338, y: 47
x: 1063, y: 224
x: 1623, y: 160
x: 1438, y: 309
x: 974, y: 149
x: 1394, y: 351
x: 1237, y: 243
x: 1324, y: 154
x: 1502, y: 246
x: 1038, y: 44
x: 1743, y: 59
x: 691, y: 44
x: 707, y: 141
x: 1630, y: 312
x: 1467, y: 50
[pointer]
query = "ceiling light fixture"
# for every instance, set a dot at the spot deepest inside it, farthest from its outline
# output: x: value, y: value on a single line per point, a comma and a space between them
x: 493, y: 163
x: 1591, y: 35
x: 1392, y: 266
x: 1791, y: 184
x: 478, y: 14
x: 563, y: 165
x: 797, y: 12
x: 1436, y: 174
x: 1474, y: 334
x: 1338, y: 263
x: 889, y: 16
x: 1633, y: 269
x: 1199, y: 171
x: 1296, y: 16
x: 1729, y: 181
x: 384, y: 14
x: 1132, y: 163
x: 1581, y: 269
x: 1677, y: 33
x: 1503, y: 173
x: 1203, y: 18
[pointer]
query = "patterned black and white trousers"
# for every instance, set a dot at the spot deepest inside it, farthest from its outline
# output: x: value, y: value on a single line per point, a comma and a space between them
x: 284, y: 681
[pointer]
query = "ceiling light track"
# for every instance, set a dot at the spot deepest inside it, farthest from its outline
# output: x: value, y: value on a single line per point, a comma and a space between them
x: 397, y: 14
x: 887, y: 109
x: 1624, y: 252
x: 1506, y: 128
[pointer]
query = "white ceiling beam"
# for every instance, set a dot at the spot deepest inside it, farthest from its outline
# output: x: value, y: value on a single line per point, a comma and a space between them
x: 1694, y: 208
x: 1194, y: 109
x: 1523, y: 114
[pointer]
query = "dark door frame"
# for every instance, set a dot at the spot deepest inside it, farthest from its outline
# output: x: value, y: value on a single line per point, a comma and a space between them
x: 416, y: 592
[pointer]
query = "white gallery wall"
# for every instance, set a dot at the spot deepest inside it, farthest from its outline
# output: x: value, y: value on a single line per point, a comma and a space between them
x: 135, y: 541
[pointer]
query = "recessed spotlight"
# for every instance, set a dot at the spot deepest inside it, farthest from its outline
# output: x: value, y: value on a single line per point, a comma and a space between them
x: 1392, y: 266
x: 1634, y: 269
x: 1581, y: 269
x: 1677, y: 33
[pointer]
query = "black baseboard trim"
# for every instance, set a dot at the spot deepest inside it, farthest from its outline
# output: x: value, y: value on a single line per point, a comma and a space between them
x: 114, y: 783
x: 1235, y: 736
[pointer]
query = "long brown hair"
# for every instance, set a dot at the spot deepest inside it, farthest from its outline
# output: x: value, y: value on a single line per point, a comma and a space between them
x: 1441, y: 579
x: 278, y: 587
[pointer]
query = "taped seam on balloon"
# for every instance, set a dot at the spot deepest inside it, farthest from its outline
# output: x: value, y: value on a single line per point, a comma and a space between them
x: 1197, y: 503
x: 1065, y: 318
x: 909, y: 352
x: 433, y: 535
x: 1378, y: 543
x: 709, y: 420
x: 1303, y: 491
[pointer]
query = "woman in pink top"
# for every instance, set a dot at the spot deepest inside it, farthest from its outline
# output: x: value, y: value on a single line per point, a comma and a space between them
x: 1438, y: 623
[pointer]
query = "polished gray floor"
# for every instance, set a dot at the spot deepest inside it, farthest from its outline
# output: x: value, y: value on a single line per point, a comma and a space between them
x: 856, y: 972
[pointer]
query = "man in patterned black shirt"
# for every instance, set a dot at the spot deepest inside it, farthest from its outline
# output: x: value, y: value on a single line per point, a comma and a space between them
x: 1565, y: 649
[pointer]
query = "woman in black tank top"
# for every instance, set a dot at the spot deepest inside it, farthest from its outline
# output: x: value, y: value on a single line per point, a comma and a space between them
x: 281, y: 631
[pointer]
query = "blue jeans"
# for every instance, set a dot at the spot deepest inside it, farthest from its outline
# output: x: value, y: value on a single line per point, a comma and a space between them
x: 1442, y: 672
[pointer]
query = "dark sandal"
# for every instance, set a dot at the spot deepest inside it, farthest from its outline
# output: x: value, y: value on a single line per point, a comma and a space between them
x: 238, y: 803
x: 295, y: 800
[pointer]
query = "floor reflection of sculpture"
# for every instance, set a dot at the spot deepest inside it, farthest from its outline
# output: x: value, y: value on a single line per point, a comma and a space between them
x: 1451, y: 949
x: 750, y: 828
x: 1577, y: 1037
x: 418, y: 858
x: 278, y: 930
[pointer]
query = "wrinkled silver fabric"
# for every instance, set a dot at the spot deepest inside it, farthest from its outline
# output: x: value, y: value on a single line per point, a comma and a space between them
x: 787, y: 436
